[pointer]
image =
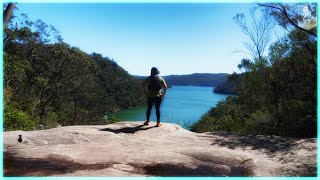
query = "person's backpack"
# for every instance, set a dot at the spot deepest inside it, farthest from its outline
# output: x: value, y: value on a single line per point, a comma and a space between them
x: 155, y: 84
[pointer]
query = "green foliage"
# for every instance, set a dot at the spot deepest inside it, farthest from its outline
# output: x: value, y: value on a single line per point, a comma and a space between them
x: 277, y: 94
x: 54, y: 83
x: 227, y: 116
x: 15, y: 118
x: 225, y: 88
x: 50, y: 120
x: 112, y: 120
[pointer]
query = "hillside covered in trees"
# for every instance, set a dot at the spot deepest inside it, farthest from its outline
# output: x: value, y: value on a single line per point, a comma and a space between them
x: 277, y: 92
x: 48, y: 82
x: 225, y: 87
x: 196, y: 79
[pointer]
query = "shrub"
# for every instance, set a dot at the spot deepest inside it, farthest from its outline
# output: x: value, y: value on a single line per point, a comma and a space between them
x: 15, y: 119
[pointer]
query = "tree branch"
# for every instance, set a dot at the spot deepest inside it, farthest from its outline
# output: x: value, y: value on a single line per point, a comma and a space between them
x: 285, y: 13
x: 7, y: 13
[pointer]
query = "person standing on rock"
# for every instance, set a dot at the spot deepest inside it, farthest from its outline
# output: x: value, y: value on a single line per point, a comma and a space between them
x: 152, y: 88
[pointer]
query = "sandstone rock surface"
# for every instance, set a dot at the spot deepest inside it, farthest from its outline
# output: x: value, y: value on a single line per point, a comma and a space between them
x: 131, y: 149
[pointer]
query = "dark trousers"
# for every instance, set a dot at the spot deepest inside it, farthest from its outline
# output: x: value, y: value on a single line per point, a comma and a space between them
x: 157, y: 102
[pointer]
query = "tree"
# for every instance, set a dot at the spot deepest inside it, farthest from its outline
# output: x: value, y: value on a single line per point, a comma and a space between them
x: 8, y: 13
x: 302, y: 16
x: 50, y: 82
x: 258, y: 32
x: 277, y: 93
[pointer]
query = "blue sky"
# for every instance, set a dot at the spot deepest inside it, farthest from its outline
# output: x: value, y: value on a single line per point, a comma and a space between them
x: 176, y: 38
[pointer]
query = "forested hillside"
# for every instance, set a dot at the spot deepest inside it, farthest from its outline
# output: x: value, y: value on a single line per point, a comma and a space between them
x: 196, y: 79
x: 49, y: 82
x: 277, y: 92
x: 225, y: 88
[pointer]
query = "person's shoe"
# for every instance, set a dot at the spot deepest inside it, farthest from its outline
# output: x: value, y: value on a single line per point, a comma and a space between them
x: 158, y: 124
x: 146, y: 123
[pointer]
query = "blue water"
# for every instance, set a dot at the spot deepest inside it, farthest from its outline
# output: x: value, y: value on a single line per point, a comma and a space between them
x: 183, y: 105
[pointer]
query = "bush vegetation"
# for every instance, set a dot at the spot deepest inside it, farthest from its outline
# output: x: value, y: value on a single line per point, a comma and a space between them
x: 49, y: 82
x: 277, y: 93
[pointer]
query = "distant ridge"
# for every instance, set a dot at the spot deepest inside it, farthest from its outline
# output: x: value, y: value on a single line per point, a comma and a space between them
x: 195, y: 79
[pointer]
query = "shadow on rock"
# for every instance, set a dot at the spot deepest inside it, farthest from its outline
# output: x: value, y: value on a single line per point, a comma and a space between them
x: 17, y: 166
x: 200, y: 170
x: 274, y: 146
x: 270, y: 144
x: 131, y: 130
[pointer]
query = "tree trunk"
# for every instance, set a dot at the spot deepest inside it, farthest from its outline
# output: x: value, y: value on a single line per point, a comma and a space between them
x: 7, y: 13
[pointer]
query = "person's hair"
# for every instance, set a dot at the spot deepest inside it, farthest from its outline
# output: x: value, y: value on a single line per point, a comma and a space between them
x: 154, y: 71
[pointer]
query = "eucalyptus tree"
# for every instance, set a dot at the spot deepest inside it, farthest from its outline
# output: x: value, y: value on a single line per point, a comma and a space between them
x: 258, y: 30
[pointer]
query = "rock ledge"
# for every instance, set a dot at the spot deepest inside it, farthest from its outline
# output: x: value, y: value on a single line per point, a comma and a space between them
x: 131, y: 149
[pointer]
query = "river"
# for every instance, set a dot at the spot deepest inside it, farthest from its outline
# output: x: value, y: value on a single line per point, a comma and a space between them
x: 183, y: 105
